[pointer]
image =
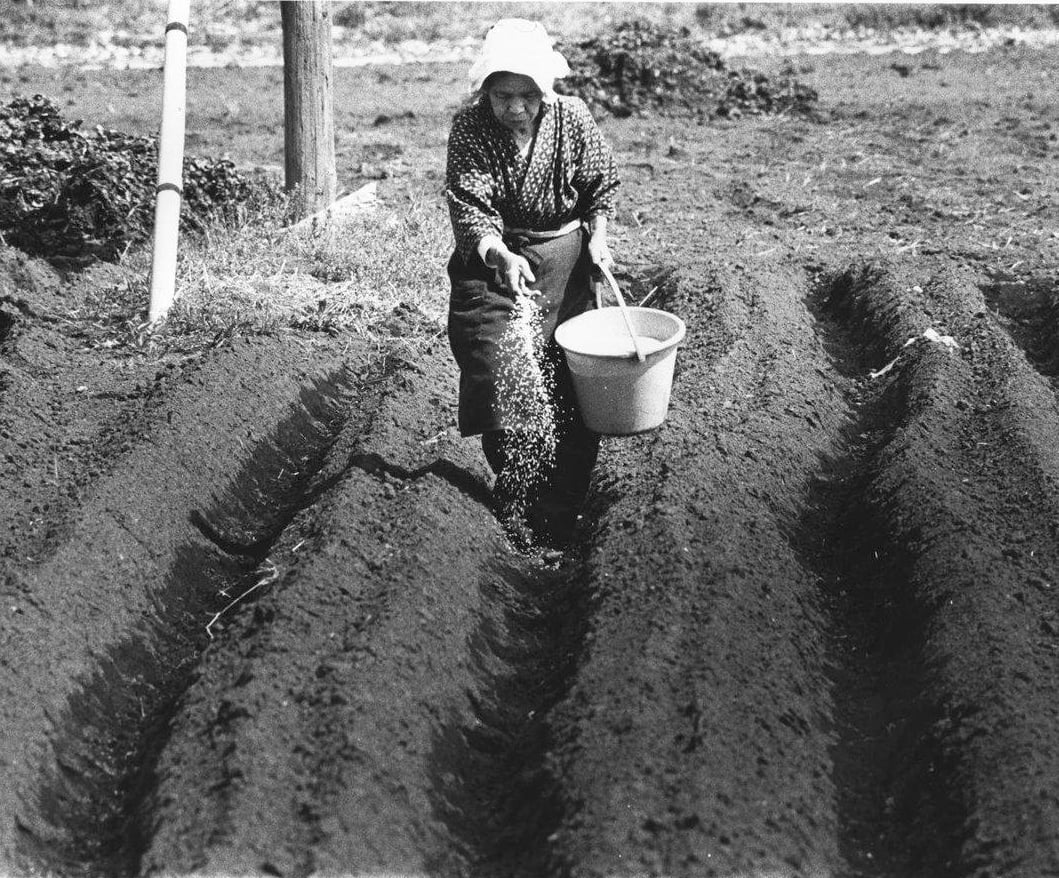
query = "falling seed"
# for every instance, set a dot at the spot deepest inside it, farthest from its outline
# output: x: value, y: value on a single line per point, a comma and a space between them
x: 526, y: 384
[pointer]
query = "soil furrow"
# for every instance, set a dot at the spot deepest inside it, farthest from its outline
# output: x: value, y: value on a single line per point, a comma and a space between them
x: 317, y: 735
x: 114, y: 727
x: 436, y: 639
x: 702, y: 691
x: 492, y: 782
x: 137, y: 565
x: 876, y: 627
x: 965, y: 489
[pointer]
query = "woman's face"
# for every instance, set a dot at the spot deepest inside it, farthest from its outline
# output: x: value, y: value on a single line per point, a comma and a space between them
x: 515, y: 100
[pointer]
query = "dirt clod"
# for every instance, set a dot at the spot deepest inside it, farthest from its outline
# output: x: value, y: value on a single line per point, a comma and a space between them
x: 641, y: 67
x: 75, y: 194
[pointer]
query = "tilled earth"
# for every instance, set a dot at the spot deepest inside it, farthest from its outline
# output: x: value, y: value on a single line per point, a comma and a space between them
x: 258, y: 618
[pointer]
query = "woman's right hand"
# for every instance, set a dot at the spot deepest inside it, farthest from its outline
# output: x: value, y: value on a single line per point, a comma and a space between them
x: 513, y: 272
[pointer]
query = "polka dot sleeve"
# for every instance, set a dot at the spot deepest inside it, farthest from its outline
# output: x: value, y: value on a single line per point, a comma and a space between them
x: 596, y: 178
x: 470, y: 187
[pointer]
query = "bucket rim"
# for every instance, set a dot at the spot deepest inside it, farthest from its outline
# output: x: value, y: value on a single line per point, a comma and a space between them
x: 667, y: 345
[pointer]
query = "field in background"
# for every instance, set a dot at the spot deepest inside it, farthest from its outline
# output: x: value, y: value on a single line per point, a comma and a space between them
x: 220, y: 24
x: 253, y: 277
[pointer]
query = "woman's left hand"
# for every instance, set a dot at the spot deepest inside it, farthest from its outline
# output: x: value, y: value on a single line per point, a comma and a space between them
x: 599, y: 252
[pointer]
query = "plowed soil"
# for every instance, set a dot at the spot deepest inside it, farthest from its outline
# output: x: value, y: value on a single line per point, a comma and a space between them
x: 257, y: 617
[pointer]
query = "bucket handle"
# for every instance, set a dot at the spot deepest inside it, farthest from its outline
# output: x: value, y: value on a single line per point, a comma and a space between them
x: 624, y: 310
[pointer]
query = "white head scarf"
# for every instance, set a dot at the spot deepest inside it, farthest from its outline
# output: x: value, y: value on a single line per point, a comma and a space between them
x: 517, y: 45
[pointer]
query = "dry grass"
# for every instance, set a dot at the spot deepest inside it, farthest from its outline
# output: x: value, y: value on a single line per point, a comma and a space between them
x: 260, y: 277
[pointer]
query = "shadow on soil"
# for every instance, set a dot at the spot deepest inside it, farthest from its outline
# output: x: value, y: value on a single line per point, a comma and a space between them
x: 1030, y: 311
x: 7, y: 323
x: 462, y: 480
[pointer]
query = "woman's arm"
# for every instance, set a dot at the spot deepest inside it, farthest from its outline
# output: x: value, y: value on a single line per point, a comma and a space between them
x: 598, y: 251
x: 596, y: 180
x: 469, y: 189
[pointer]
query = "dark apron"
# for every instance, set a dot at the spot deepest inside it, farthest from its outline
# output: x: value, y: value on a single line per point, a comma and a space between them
x: 480, y: 311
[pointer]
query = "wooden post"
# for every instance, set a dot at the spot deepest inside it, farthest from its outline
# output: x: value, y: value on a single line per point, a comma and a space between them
x: 168, y: 191
x: 308, y: 105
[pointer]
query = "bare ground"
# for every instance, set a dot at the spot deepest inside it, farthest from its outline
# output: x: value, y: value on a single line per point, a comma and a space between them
x: 257, y: 618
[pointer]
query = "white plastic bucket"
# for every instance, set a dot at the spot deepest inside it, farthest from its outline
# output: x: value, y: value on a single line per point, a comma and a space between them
x: 618, y: 395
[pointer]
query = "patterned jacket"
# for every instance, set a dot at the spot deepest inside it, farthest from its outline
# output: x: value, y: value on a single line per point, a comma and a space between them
x: 569, y: 174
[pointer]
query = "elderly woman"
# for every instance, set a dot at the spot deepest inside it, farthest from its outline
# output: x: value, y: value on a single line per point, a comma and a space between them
x: 530, y: 184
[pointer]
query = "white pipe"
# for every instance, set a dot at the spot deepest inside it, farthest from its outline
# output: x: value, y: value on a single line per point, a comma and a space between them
x: 170, y: 161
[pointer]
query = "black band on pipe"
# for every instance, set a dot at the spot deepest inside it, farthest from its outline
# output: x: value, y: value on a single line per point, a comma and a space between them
x: 172, y: 187
x: 177, y: 25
